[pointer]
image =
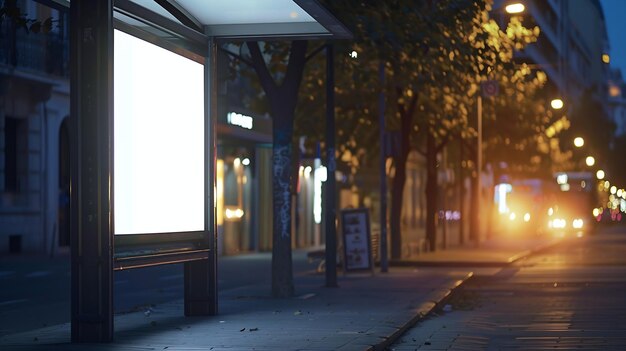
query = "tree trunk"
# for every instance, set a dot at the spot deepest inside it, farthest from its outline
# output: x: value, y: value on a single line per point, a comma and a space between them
x: 397, y: 196
x: 399, y: 179
x: 461, y: 180
x: 283, y: 99
x: 473, y: 212
x: 431, y: 192
x: 282, y: 271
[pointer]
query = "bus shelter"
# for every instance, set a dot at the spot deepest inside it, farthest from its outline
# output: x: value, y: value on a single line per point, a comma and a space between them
x: 143, y: 153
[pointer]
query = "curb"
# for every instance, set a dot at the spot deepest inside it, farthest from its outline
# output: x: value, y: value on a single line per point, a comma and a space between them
x: 422, y: 312
x: 474, y: 264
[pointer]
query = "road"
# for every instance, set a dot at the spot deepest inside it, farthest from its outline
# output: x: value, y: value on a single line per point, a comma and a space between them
x: 35, y: 291
x: 570, y: 297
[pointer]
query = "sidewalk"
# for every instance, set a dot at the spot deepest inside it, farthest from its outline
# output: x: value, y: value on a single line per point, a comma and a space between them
x: 496, y: 252
x: 365, y: 313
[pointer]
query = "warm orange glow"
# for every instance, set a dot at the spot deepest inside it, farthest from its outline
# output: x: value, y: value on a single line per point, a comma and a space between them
x: 614, y: 91
x: 515, y: 8
x: 606, y: 58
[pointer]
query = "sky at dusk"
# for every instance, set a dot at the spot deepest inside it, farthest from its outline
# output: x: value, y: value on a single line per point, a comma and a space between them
x: 615, y: 12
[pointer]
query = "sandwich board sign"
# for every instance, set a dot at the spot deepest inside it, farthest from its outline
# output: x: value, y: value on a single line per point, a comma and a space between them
x: 357, y: 244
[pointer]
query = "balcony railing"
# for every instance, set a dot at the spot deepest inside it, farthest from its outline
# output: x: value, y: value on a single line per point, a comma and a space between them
x: 35, y: 52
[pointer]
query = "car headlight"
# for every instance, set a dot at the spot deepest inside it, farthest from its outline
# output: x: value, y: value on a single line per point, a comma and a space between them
x: 577, y: 223
x: 558, y: 223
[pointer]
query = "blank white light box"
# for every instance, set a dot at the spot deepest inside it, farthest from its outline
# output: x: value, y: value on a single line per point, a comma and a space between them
x: 158, y: 139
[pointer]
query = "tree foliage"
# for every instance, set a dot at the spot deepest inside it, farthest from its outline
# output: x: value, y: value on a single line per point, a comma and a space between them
x: 10, y: 11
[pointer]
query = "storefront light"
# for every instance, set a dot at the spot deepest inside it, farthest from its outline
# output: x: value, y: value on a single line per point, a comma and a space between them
x: 246, y: 161
x: 234, y: 213
x: 237, y: 119
x: 320, y: 176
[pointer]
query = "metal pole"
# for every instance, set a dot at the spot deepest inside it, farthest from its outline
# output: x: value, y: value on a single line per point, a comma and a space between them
x: 384, y: 265
x: 330, y: 184
x: 91, y: 140
x: 479, y: 165
x: 200, y: 277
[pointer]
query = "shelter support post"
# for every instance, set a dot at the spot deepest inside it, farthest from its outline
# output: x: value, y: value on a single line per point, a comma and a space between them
x: 201, y: 276
x: 330, y: 187
x: 91, y: 149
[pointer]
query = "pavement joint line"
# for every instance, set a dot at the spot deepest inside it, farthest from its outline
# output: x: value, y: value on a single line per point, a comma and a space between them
x: 505, y: 263
x: 534, y: 251
x: 420, y: 315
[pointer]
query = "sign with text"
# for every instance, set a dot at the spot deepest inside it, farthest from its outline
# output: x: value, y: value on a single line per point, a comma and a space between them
x: 357, y: 245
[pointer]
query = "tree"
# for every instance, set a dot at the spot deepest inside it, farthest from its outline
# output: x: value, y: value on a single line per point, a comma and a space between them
x: 281, y: 91
x: 435, y: 55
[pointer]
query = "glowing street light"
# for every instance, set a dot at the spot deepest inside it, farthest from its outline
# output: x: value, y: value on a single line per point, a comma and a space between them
x: 600, y: 174
x: 579, y: 142
x: 590, y: 161
x: 515, y: 8
x: 556, y: 104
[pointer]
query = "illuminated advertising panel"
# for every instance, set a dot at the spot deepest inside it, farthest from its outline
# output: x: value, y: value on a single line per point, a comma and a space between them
x: 158, y: 139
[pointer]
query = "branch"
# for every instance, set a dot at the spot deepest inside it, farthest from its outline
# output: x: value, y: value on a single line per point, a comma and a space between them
x: 295, y: 67
x: 469, y: 146
x: 400, y: 106
x: 315, y: 52
x: 413, y: 103
x: 236, y: 56
x: 420, y: 151
x: 258, y: 63
x: 443, y: 144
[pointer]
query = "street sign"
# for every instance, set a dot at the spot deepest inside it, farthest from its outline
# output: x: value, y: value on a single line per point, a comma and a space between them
x: 357, y: 244
x: 489, y: 88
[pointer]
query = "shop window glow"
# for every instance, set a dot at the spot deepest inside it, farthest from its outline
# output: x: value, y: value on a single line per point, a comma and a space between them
x: 158, y: 139
x: 320, y: 176
x: 237, y: 119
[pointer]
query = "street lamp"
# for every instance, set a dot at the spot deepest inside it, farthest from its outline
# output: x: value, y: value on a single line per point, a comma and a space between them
x: 579, y: 142
x: 590, y: 161
x: 600, y: 174
x: 556, y: 104
x: 515, y: 8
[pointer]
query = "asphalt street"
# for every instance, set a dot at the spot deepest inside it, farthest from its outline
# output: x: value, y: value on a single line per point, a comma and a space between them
x: 571, y: 297
x: 35, y: 290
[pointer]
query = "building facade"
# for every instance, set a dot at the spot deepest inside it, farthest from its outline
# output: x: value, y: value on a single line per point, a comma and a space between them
x: 34, y: 106
x: 572, y: 45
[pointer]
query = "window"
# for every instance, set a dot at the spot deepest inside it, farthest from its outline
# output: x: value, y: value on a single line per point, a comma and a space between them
x: 15, y: 154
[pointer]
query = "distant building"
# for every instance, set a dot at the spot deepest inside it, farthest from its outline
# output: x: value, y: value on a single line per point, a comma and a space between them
x: 572, y: 48
x: 617, y: 101
x: 34, y: 106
